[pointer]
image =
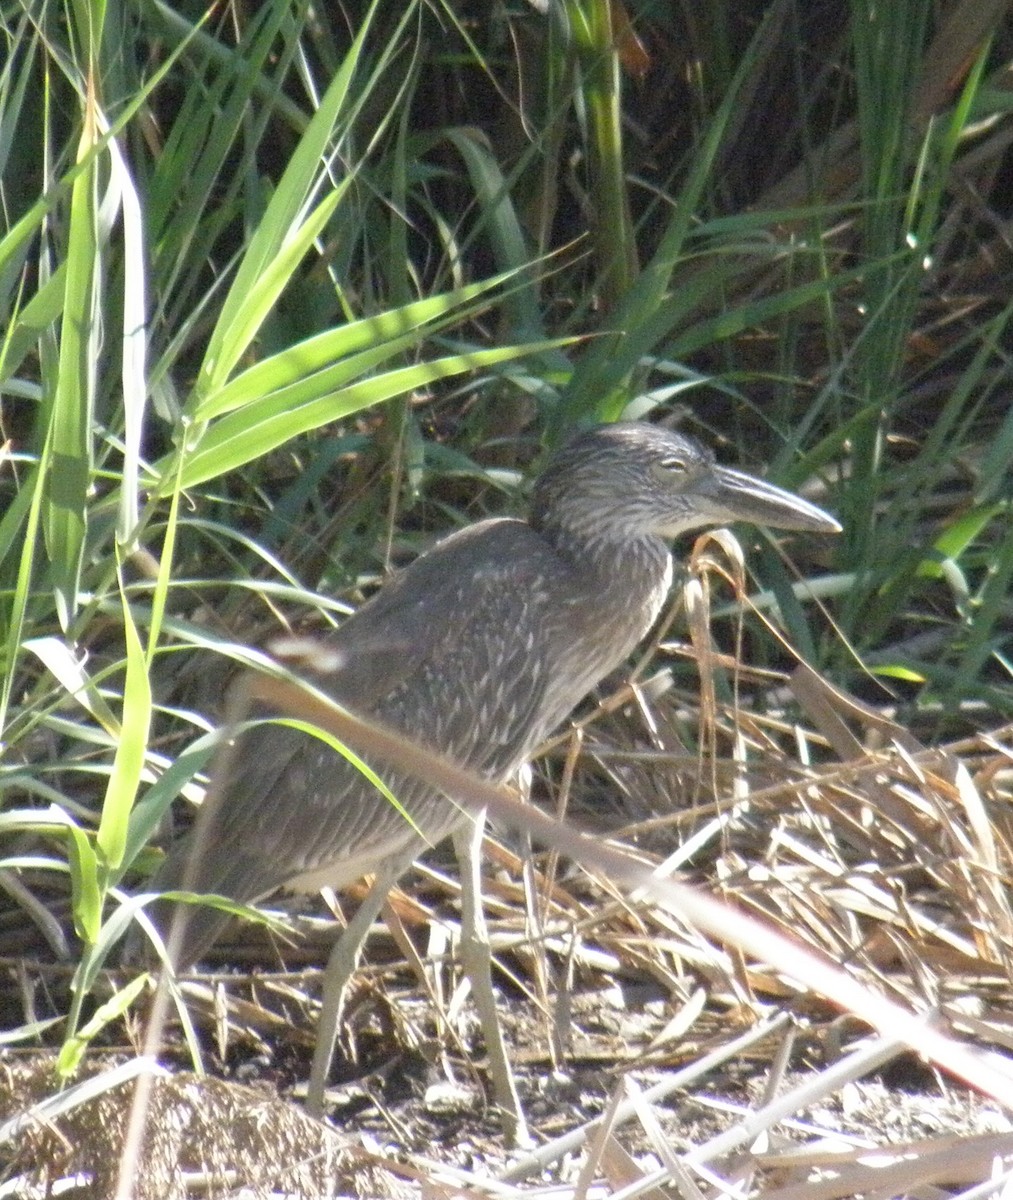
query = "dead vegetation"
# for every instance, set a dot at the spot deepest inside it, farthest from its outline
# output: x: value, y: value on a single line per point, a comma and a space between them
x: 651, y: 1056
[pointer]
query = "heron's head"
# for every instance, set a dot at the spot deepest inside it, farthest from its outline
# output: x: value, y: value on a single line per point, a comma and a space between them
x: 632, y: 480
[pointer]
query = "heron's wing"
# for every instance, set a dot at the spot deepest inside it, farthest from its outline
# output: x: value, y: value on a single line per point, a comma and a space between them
x: 436, y: 604
x: 449, y: 653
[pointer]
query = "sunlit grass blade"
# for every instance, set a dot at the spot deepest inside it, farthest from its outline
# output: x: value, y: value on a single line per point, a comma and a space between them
x: 350, y: 349
x: 243, y: 309
x: 74, y: 1047
x: 149, y: 812
x: 131, y: 746
x: 67, y: 668
x: 263, y: 425
x: 264, y: 293
x: 20, y: 523
x: 86, y: 890
x: 134, y: 346
x: 70, y: 431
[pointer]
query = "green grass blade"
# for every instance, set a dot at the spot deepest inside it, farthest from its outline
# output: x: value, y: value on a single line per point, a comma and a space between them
x: 73, y: 1049
x: 71, y: 455
x: 131, y: 747
x: 503, y: 228
x: 86, y: 894
x: 382, y: 335
x: 150, y: 810
x: 24, y: 518
x: 281, y: 222
x: 606, y: 368
x: 258, y: 303
x: 266, y: 424
x: 69, y: 672
x: 134, y: 347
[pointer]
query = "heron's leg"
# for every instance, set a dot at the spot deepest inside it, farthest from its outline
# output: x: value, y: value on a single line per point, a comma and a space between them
x: 476, y: 957
x: 344, y: 958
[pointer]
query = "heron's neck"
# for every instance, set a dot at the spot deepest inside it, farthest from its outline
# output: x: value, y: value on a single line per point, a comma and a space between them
x: 627, y: 578
x: 603, y: 606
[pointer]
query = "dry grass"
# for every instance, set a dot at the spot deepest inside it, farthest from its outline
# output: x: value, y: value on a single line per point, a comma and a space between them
x: 653, y: 1057
x: 206, y: 1136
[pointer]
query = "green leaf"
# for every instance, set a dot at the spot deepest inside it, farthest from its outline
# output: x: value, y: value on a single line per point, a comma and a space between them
x: 895, y: 671
x: 69, y: 467
x: 131, y: 748
x: 69, y: 671
x: 73, y: 1049
x: 279, y: 225
x: 957, y: 537
x: 261, y: 299
x: 264, y: 425
x: 86, y: 895
x: 147, y: 814
x: 382, y: 335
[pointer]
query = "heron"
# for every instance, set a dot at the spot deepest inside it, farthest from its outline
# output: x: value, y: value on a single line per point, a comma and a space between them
x: 479, y: 649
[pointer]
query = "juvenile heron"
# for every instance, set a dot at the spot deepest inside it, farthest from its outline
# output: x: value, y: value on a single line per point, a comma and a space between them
x: 478, y: 650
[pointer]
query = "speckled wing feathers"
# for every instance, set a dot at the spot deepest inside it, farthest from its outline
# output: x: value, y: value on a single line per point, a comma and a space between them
x: 448, y: 653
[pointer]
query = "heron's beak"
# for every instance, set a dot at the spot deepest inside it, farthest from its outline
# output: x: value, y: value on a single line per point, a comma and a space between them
x: 735, y: 496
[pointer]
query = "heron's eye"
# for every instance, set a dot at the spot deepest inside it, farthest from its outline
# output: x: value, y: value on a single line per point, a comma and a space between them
x: 668, y: 469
